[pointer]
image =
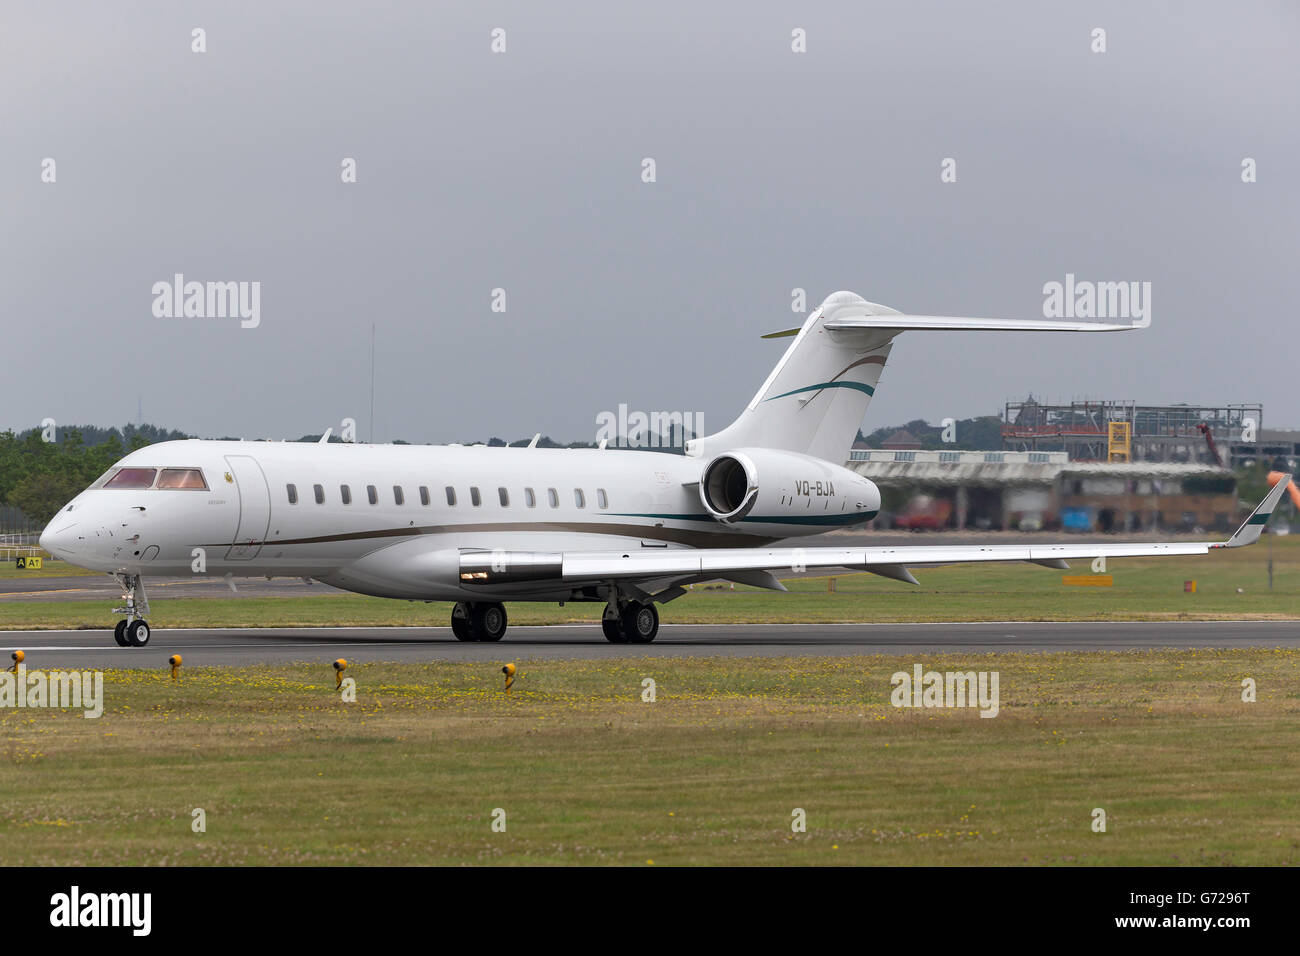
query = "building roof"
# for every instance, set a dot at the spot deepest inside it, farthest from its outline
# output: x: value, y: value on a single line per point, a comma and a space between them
x: 997, y: 469
x: 901, y: 439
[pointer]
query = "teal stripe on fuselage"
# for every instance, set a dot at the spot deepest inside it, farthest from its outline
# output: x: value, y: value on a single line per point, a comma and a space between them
x: 814, y: 519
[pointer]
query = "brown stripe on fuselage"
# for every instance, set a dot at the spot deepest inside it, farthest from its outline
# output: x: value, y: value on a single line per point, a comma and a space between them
x: 656, y: 533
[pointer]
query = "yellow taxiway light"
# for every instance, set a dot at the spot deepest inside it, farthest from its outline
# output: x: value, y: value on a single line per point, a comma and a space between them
x: 175, y: 662
x: 509, y: 671
x: 340, y: 666
x: 17, y: 657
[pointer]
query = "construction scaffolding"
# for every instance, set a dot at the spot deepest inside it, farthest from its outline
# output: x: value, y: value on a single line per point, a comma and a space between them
x: 1119, y: 444
x: 1092, y: 430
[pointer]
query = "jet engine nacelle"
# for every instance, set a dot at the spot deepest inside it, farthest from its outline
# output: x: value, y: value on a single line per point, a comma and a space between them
x: 765, y: 491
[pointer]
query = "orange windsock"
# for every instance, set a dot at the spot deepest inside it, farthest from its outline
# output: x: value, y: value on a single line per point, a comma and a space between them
x: 1275, y: 476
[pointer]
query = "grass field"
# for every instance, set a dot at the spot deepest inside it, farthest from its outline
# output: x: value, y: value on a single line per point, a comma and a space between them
x: 51, y: 568
x: 710, y: 772
x: 1144, y: 589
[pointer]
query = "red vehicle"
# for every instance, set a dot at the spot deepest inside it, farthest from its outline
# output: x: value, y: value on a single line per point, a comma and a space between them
x: 924, y: 513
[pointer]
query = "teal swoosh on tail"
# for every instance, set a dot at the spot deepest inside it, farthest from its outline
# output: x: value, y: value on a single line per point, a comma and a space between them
x: 867, y: 389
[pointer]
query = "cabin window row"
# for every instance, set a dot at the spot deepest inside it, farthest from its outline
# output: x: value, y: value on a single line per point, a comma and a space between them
x: 475, y: 497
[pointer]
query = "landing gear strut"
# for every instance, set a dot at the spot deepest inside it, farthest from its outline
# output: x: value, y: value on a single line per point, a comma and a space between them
x: 132, y: 631
x: 632, y: 622
x: 476, y: 621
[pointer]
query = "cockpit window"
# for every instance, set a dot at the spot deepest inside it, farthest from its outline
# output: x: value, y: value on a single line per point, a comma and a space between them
x: 132, y: 478
x: 190, y: 478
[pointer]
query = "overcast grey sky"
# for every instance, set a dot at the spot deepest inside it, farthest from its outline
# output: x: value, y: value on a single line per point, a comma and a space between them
x: 522, y: 171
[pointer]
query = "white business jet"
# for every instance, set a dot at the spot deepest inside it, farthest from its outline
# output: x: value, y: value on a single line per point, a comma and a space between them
x: 480, y: 526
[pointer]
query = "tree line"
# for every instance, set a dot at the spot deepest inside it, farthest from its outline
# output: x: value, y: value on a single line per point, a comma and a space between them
x: 37, y: 477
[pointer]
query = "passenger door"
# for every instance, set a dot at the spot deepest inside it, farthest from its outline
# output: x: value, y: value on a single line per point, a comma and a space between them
x: 254, y: 508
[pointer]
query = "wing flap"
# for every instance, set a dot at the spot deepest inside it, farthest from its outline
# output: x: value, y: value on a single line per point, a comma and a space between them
x: 718, y: 561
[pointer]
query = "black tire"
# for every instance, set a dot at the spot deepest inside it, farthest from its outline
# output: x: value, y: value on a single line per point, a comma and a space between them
x: 613, y: 629
x: 137, y: 633
x: 640, y: 623
x: 460, y: 623
x: 488, y: 621
x: 119, y: 634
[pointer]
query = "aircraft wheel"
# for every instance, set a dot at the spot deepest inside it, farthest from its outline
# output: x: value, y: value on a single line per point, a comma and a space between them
x: 119, y: 634
x: 613, y: 629
x: 488, y: 621
x: 460, y: 623
x: 640, y: 623
x: 137, y: 633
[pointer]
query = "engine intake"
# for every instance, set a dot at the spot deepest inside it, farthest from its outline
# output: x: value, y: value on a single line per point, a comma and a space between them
x: 771, y: 492
x: 729, y: 486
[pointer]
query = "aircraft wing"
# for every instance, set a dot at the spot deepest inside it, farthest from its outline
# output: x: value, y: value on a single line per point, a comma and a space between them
x: 761, y: 564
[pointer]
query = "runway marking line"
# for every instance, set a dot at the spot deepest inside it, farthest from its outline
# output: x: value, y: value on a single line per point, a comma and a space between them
x: 520, y: 627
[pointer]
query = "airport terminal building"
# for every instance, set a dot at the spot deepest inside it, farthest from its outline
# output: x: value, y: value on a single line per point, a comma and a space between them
x: 1087, y: 465
x: 1045, y: 490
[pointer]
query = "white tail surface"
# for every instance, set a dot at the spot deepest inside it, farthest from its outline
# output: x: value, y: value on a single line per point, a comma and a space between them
x: 816, y: 397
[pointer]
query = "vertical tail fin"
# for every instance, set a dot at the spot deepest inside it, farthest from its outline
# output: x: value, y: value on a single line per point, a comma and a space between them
x: 815, y: 398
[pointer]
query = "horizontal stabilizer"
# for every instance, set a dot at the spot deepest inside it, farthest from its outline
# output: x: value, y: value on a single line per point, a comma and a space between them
x: 955, y: 323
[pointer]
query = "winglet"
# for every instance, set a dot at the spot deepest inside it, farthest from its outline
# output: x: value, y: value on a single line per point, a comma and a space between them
x: 1249, y: 532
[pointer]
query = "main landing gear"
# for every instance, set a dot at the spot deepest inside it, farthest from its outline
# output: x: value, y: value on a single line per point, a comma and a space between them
x: 634, y: 622
x: 475, y: 621
x: 132, y: 631
x: 625, y: 622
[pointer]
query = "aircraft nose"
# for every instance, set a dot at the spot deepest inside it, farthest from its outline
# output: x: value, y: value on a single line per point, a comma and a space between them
x: 57, y: 536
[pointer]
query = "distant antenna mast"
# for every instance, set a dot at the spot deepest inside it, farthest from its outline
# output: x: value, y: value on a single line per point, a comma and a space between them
x: 139, y: 409
x: 372, y: 383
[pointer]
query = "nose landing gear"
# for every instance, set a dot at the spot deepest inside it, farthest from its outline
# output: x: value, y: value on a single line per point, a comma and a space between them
x: 132, y: 631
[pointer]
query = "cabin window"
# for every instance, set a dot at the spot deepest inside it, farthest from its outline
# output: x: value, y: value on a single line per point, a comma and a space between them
x: 372, y: 494
x: 320, y: 493
x: 578, y: 498
x: 292, y: 491
x: 602, y: 501
x: 188, y: 478
x: 424, y: 496
x: 451, y: 496
x: 530, y: 499
x: 504, y: 497
x: 398, y: 496
x: 345, y: 493
x: 132, y: 478
x: 554, y: 497
x: 474, y: 498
